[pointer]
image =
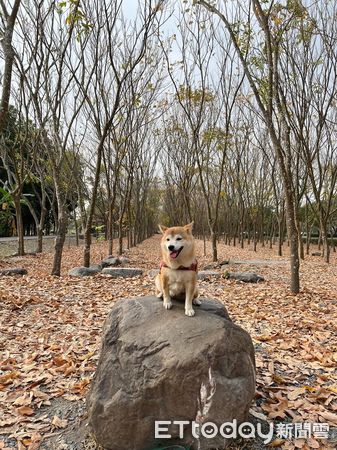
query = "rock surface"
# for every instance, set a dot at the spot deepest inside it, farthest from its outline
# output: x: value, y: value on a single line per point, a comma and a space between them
x: 123, y: 260
x: 216, y: 265
x: 157, y: 364
x: 152, y: 273
x: 14, y: 271
x: 247, y: 277
x: 96, y: 267
x: 82, y: 272
x: 205, y: 274
x: 110, y: 262
x: 123, y: 272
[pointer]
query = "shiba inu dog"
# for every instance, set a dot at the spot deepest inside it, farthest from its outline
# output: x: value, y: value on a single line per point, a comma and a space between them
x: 178, y: 269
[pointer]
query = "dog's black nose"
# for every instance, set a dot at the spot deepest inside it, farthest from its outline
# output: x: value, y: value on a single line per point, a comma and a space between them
x: 171, y: 247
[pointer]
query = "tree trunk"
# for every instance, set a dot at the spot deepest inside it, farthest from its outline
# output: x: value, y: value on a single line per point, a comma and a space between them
x: 214, y: 246
x: 19, y: 225
x: 9, y: 55
x: 87, y: 244
x: 319, y: 242
x: 280, y: 236
x: 242, y: 229
x: 59, y: 242
x: 326, y: 250
x: 128, y: 245
x: 120, y: 237
x: 308, y: 240
x: 40, y: 226
x: 293, y: 241
x: 325, y: 240
x: 110, y: 228
x: 87, y: 233
x: 271, y: 236
x: 254, y: 237
x: 39, y: 244
x: 300, y: 240
x: 76, y: 230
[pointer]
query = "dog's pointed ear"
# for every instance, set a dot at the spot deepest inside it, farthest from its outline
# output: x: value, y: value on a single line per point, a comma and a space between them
x: 162, y: 228
x: 188, y: 228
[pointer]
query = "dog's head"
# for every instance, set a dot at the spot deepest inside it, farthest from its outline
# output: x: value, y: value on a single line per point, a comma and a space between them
x: 177, y: 243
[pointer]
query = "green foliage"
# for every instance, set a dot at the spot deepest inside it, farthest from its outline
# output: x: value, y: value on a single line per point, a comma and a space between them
x: 5, y: 198
x: 292, y: 16
x: 195, y: 96
x: 6, y: 212
x: 100, y: 228
x: 6, y: 219
x: 75, y: 17
x: 258, y: 61
x: 175, y: 127
x: 215, y: 135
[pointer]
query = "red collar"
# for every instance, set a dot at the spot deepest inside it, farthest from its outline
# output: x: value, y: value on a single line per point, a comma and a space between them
x: 193, y: 266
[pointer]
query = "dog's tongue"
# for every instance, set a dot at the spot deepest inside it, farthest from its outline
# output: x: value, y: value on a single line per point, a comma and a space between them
x: 174, y: 254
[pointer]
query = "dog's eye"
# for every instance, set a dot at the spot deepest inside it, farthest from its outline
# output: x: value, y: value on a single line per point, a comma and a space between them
x: 167, y: 239
x: 179, y: 239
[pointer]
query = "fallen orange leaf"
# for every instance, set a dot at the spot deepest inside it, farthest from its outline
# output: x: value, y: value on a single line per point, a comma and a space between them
x: 294, y: 394
x: 59, y: 423
x: 25, y: 411
x: 329, y: 416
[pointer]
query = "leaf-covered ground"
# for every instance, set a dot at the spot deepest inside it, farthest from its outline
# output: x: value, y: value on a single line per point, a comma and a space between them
x: 51, y: 327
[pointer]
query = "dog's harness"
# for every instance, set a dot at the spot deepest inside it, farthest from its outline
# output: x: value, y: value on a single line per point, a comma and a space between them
x: 193, y: 266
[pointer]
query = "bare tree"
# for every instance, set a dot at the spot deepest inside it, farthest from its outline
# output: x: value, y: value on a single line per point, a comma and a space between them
x: 117, y: 48
x: 49, y: 68
x: 208, y: 118
x: 8, y: 19
x: 264, y: 79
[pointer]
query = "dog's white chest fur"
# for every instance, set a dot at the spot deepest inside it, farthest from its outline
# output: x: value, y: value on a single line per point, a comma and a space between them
x: 178, y: 279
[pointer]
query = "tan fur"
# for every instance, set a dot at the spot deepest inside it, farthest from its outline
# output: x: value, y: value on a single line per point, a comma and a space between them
x: 171, y: 282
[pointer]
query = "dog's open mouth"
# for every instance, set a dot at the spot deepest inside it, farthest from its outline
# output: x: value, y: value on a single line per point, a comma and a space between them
x: 175, y: 253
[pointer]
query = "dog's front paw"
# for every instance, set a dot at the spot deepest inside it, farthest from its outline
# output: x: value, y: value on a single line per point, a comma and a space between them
x: 189, y: 312
x: 196, y: 302
x: 167, y: 304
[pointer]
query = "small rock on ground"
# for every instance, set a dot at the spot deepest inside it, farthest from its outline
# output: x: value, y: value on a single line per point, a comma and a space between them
x: 153, y: 273
x: 110, y: 262
x: 246, y: 277
x: 206, y: 274
x: 123, y: 272
x: 96, y: 267
x: 82, y: 272
x: 14, y: 271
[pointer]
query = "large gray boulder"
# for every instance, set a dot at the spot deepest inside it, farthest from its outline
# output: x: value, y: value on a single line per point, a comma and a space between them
x: 158, y: 364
